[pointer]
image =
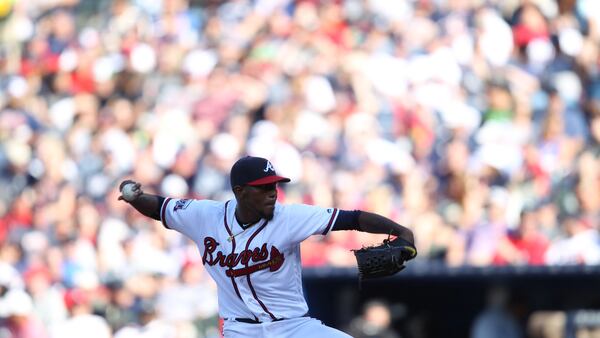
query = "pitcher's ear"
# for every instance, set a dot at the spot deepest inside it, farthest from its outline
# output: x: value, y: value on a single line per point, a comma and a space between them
x: 238, y: 189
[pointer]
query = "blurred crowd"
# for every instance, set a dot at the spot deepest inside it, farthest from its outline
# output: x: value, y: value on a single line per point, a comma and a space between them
x: 474, y: 122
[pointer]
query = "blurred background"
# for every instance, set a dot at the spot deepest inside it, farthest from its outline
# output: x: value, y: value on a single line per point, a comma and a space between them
x: 476, y: 123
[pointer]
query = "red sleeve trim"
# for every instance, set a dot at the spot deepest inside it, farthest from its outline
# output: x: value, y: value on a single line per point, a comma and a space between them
x: 163, y: 212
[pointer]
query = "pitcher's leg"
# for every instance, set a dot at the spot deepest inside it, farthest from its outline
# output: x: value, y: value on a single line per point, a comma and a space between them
x: 301, y: 328
x: 242, y: 330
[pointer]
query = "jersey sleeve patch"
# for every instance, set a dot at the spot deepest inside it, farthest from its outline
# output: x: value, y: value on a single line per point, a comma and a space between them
x: 181, y: 204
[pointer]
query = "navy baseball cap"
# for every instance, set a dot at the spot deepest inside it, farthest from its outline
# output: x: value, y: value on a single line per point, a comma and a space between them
x: 252, y: 170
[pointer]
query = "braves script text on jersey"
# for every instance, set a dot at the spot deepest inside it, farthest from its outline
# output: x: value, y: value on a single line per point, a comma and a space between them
x: 257, y: 270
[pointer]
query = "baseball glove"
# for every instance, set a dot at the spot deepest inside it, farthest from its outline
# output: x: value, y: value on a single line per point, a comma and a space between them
x: 385, y: 259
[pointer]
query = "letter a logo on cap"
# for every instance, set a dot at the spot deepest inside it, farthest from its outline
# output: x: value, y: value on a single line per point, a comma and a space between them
x: 269, y: 167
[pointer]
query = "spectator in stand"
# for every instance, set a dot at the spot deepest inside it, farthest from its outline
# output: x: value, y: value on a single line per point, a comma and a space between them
x: 483, y: 239
x: 79, y: 302
x: 497, y: 319
x: 578, y: 246
x: 47, y: 297
x: 18, y: 319
x: 525, y: 245
x: 375, y: 321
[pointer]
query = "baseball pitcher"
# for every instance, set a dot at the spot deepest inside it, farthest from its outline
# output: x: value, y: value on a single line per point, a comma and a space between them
x: 250, y: 246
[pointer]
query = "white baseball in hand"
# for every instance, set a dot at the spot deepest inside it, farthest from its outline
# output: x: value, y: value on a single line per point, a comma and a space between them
x: 128, y: 193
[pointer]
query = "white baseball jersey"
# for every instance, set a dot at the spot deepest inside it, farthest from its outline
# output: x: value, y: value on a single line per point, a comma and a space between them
x: 257, y: 271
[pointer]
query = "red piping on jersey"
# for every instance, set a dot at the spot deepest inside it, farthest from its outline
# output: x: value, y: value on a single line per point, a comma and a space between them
x: 248, y: 276
x: 235, y: 287
x: 330, y: 221
x: 163, y: 210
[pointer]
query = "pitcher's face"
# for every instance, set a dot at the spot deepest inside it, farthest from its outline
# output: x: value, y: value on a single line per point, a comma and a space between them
x: 260, y: 198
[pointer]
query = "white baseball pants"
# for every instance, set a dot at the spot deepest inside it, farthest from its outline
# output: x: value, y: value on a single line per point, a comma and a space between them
x: 289, y: 328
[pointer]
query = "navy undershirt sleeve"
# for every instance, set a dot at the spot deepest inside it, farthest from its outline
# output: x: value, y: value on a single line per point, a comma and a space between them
x: 346, y: 220
x: 156, y: 214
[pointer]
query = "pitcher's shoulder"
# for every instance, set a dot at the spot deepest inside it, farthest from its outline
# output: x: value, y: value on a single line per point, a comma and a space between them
x: 295, y: 208
x: 197, y: 204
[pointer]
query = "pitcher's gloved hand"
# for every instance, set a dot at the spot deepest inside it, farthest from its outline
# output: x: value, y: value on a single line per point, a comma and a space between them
x: 385, y: 259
